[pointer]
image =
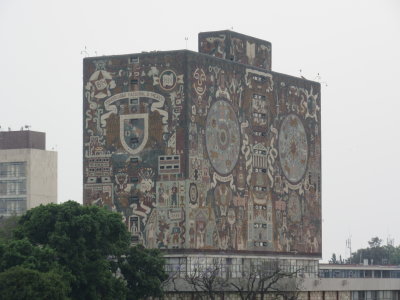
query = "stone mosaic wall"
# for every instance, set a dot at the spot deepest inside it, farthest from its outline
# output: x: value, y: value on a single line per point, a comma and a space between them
x: 254, y: 159
x: 202, y: 153
x: 236, y: 47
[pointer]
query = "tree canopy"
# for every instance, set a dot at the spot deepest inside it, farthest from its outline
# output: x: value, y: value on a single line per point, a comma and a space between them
x: 84, y: 249
x: 7, y: 226
x: 376, y: 254
x: 19, y: 283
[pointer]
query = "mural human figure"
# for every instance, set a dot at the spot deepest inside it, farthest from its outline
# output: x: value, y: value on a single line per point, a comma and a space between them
x: 161, y: 195
x: 174, y: 196
x: 191, y: 236
x: 176, y: 230
x: 200, y: 237
x: 151, y: 235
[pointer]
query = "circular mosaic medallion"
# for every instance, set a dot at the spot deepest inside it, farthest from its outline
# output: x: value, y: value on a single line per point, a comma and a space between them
x: 293, y: 148
x: 222, y: 137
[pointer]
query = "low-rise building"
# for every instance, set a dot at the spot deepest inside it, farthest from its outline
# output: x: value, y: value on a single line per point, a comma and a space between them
x: 353, y: 282
x: 28, y: 172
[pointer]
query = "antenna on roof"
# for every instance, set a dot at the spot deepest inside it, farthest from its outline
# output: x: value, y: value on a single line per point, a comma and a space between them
x: 319, y: 79
x: 27, y: 126
x: 348, y: 246
x: 186, y: 39
x: 301, y: 74
x: 85, y: 52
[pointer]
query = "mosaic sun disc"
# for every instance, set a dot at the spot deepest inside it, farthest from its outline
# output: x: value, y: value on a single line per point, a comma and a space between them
x: 293, y: 148
x: 222, y: 137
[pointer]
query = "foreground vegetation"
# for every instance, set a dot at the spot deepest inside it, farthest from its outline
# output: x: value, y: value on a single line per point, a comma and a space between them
x: 70, y: 251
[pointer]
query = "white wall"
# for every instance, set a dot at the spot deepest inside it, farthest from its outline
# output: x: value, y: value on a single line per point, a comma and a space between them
x: 41, y: 173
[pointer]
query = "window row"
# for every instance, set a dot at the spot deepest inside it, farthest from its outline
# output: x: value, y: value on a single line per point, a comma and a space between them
x: 12, y: 206
x: 13, y: 169
x: 12, y: 187
x: 260, y: 133
x: 259, y: 97
x: 240, y: 267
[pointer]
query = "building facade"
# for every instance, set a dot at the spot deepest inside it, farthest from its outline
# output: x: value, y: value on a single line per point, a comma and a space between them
x: 28, y: 173
x: 206, y: 153
x: 354, y: 282
x: 216, y: 160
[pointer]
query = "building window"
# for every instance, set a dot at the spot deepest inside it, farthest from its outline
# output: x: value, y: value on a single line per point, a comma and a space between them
x: 12, y: 206
x: 259, y: 78
x: 259, y: 97
x: 169, y: 164
x: 13, y: 187
x: 13, y: 169
x: 134, y: 140
x: 134, y: 180
x: 134, y: 101
x: 134, y: 59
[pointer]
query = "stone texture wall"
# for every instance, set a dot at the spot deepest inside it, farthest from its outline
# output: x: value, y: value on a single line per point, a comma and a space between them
x: 236, y: 47
x: 202, y: 153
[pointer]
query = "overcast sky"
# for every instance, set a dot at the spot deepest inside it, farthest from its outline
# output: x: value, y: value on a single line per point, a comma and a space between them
x: 353, y: 45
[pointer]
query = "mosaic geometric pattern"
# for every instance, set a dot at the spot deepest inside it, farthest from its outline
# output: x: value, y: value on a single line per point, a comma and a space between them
x: 222, y: 137
x: 292, y: 147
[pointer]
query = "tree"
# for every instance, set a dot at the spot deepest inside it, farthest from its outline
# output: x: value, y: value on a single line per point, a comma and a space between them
x: 19, y: 283
x: 143, y: 270
x: 375, y: 242
x: 83, y: 238
x: 23, y: 253
x: 259, y: 280
x: 207, y: 281
x: 31, y: 272
x: 333, y: 259
x: 88, y: 247
x: 7, y: 226
x: 212, y: 279
x: 377, y: 254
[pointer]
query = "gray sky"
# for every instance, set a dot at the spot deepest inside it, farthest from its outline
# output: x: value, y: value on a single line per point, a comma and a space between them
x: 353, y: 45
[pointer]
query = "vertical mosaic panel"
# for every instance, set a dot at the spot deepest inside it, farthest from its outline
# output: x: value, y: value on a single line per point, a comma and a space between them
x: 134, y: 143
x: 255, y: 147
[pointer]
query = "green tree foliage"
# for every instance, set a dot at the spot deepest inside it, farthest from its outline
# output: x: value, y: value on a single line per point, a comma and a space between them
x: 375, y: 242
x: 7, y: 226
x: 23, y: 253
x: 333, y: 259
x: 144, y: 272
x: 19, y: 283
x: 376, y: 254
x: 83, y: 237
x: 87, y: 248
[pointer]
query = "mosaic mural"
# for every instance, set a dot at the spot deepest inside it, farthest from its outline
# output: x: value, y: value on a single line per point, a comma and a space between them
x: 198, y: 152
x: 236, y: 47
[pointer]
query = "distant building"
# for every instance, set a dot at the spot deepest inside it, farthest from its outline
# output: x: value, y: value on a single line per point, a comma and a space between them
x: 206, y: 153
x: 28, y: 172
x: 353, y: 282
x: 216, y: 160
